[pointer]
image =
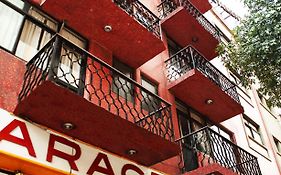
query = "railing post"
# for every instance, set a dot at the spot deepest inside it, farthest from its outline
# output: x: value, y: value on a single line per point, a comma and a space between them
x: 192, y: 58
x: 55, y: 58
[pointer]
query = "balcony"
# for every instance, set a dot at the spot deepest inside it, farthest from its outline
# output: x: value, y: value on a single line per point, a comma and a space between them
x: 210, y: 152
x: 69, y: 90
x: 134, y: 28
x: 186, y: 25
x: 205, y: 88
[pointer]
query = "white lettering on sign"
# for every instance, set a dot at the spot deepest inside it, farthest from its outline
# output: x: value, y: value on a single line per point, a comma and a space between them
x: 33, y: 143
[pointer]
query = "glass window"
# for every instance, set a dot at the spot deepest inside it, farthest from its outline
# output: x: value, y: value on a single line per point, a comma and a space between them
x: 253, y: 130
x: 149, y: 103
x: 122, y: 86
x: 10, y: 22
x: 277, y: 144
x: 33, y: 37
x: 71, y: 60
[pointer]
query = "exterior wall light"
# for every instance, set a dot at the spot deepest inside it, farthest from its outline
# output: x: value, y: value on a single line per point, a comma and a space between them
x: 18, y: 172
x: 209, y: 101
x: 68, y: 126
x: 107, y: 28
x: 194, y: 39
x: 131, y: 152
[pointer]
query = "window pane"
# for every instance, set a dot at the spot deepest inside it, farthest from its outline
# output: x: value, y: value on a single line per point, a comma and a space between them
x: 69, y: 67
x: 149, y: 103
x: 17, y: 3
x: 10, y: 22
x: 73, y: 38
x: 248, y: 131
x: 32, y: 39
x: 257, y: 137
x: 121, y: 86
x: 43, y: 18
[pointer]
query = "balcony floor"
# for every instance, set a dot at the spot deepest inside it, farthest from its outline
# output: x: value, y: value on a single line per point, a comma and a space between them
x: 214, y: 169
x: 198, y: 89
x: 202, y: 5
x: 51, y: 105
x: 181, y: 27
x: 129, y: 41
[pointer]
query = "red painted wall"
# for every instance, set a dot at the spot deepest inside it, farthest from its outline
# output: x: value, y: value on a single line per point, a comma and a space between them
x: 11, y: 78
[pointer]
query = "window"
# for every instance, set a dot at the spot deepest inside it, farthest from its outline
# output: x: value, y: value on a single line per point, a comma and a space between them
x: 253, y: 130
x: 121, y: 85
x: 277, y: 144
x: 33, y: 36
x: 149, y: 103
x: 173, y: 48
x: 70, y: 72
x: 190, y: 121
x: 10, y: 22
x: 24, y: 29
x: 177, y: 65
x: 223, y: 132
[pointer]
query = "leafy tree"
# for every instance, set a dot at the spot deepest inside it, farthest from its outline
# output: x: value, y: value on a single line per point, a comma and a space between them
x: 255, y: 52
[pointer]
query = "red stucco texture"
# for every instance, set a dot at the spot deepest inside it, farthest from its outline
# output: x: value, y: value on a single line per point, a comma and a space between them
x: 202, y: 5
x: 93, y: 124
x: 185, y: 30
x: 197, y: 89
x: 11, y: 78
x: 214, y: 169
x: 129, y: 41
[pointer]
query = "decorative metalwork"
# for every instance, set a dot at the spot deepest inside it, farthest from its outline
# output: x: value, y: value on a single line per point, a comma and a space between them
x: 142, y: 14
x: 209, y: 147
x: 168, y: 6
x: 189, y: 58
x: 73, y: 68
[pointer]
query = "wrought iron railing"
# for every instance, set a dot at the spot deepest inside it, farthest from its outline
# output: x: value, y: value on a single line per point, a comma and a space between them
x: 71, y: 67
x: 189, y: 58
x: 168, y: 6
x: 209, y: 147
x: 142, y: 14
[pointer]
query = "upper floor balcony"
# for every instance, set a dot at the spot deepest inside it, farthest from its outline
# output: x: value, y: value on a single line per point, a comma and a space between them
x: 205, y: 88
x: 185, y: 24
x: 71, y: 91
x: 207, y: 152
x: 125, y: 27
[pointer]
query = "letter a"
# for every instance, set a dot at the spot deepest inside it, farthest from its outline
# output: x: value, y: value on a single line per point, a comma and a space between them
x: 5, y: 134
x: 96, y: 168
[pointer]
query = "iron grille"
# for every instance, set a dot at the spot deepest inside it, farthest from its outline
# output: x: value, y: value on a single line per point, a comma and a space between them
x: 142, y: 14
x: 210, y: 147
x: 189, y: 58
x: 71, y: 67
x: 168, y: 6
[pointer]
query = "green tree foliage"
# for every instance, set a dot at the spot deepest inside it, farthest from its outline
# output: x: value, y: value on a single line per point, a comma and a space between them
x: 256, y: 51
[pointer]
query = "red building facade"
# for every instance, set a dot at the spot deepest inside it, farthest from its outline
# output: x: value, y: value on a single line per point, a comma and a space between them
x: 131, y: 78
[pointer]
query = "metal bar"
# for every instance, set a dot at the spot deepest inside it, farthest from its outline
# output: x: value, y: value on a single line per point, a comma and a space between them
x: 217, y: 149
x: 55, y: 59
x: 112, y: 69
x: 74, y: 68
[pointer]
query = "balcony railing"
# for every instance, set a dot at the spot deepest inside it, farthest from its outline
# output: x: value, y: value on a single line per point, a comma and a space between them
x: 142, y: 14
x: 168, y: 6
x: 71, y: 67
x: 189, y: 58
x: 210, y: 147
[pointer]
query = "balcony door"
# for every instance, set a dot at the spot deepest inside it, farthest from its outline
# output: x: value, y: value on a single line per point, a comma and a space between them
x: 189, y: 122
